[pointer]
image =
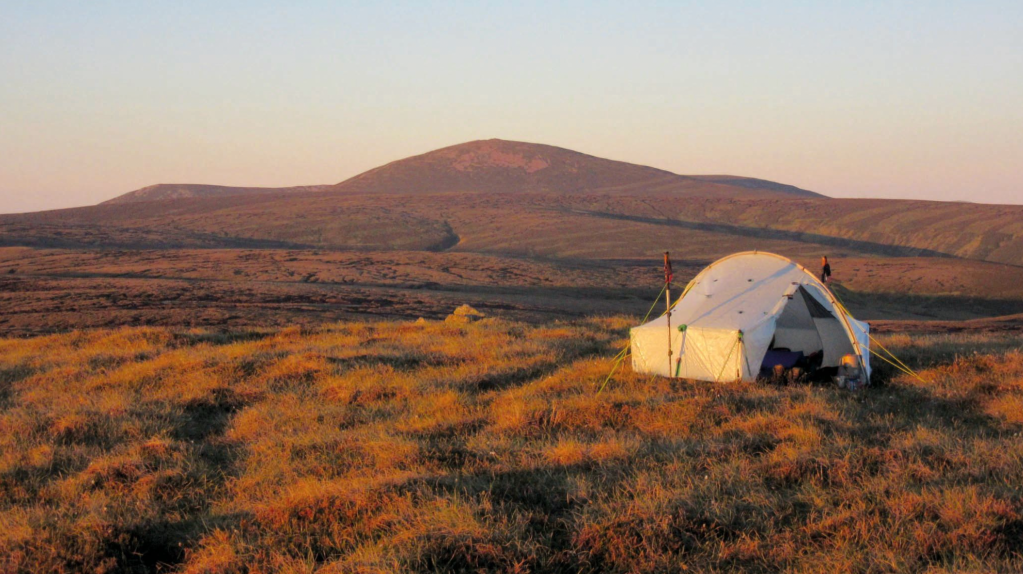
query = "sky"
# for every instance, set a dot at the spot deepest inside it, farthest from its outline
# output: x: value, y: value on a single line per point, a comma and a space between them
x: 892, y: 99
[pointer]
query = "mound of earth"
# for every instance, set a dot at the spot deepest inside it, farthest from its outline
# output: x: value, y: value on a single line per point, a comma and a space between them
x: 464, y: 314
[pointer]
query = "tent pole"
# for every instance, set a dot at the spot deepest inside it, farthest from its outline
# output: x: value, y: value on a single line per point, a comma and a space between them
x: 667, y: 299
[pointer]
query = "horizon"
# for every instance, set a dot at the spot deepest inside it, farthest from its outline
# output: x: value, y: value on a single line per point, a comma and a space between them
x: 894, y: 102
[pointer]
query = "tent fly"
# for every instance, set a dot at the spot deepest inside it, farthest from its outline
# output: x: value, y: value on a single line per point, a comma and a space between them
x: 746, y: 313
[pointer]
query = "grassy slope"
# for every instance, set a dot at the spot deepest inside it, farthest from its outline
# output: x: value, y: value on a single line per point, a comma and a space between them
x: 570, y: 225
x: 985, y: 232
x: 440, y: 447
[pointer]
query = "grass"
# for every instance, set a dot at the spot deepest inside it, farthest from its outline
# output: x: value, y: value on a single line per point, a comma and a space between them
x: 482, y: 447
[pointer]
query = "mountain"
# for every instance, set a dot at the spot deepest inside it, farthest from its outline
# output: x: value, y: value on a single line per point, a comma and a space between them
x: 525, y: 200
x: 163, y: 191
x: 500, y: 166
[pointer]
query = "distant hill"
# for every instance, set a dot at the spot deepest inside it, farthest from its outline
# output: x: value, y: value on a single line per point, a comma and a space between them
x: 498, y: 166
x: 758, y: 184
x: 526, y: 200
x: 501, y: 166
x: 163, y: 191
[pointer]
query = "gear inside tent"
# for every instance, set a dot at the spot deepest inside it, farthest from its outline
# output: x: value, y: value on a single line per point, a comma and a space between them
x: 747, y: 312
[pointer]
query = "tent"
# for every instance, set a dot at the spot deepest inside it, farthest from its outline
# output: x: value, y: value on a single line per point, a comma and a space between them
x: 738, y: 310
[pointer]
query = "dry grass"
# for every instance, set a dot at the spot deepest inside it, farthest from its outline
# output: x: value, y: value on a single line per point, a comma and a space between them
x: 44, y: 291
x: 482, y: 447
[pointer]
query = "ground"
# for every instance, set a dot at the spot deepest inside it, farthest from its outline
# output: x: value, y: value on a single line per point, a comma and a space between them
x: 484, y: 446
x: 51, y: 290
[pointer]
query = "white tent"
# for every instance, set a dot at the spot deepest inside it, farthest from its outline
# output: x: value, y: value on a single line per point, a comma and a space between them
x: 738, y: 308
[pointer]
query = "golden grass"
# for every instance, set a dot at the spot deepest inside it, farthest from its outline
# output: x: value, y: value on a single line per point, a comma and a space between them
x: 483, y: 447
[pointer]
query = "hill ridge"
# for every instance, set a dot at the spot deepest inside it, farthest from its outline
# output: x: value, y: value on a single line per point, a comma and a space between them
x: 167, y: 191
x: 495, y: 165
x: 498, y: 165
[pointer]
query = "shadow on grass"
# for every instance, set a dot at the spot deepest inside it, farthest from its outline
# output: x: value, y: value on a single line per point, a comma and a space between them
x: 217, y: 338
x: 504, y: 380
x: 208, y: 416
x: 517, y: 377
x: 8, y: 378
x: 399, y: 362
x: 893, y: 408
x: 542, y: 497
x: 160, y: 546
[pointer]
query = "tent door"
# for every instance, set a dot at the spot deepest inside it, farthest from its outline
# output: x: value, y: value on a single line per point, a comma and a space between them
x: 796, y: 335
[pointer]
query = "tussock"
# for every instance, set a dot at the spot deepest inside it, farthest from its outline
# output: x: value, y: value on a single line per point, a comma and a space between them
x: 481, y: 446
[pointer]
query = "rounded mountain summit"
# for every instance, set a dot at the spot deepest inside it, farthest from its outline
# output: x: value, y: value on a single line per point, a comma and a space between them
x: 496, y: 165
x: 500, y: 166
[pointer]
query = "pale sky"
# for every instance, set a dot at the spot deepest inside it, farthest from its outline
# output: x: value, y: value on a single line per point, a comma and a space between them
x: 851, y: 99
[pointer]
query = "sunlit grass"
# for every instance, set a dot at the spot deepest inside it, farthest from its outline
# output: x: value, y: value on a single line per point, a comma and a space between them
x: 483, y: 447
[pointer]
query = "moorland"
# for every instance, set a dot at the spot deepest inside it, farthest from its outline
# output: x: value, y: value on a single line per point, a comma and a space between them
x: 431, y: 446
x: 202, y: 378
x: 524, y: 231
